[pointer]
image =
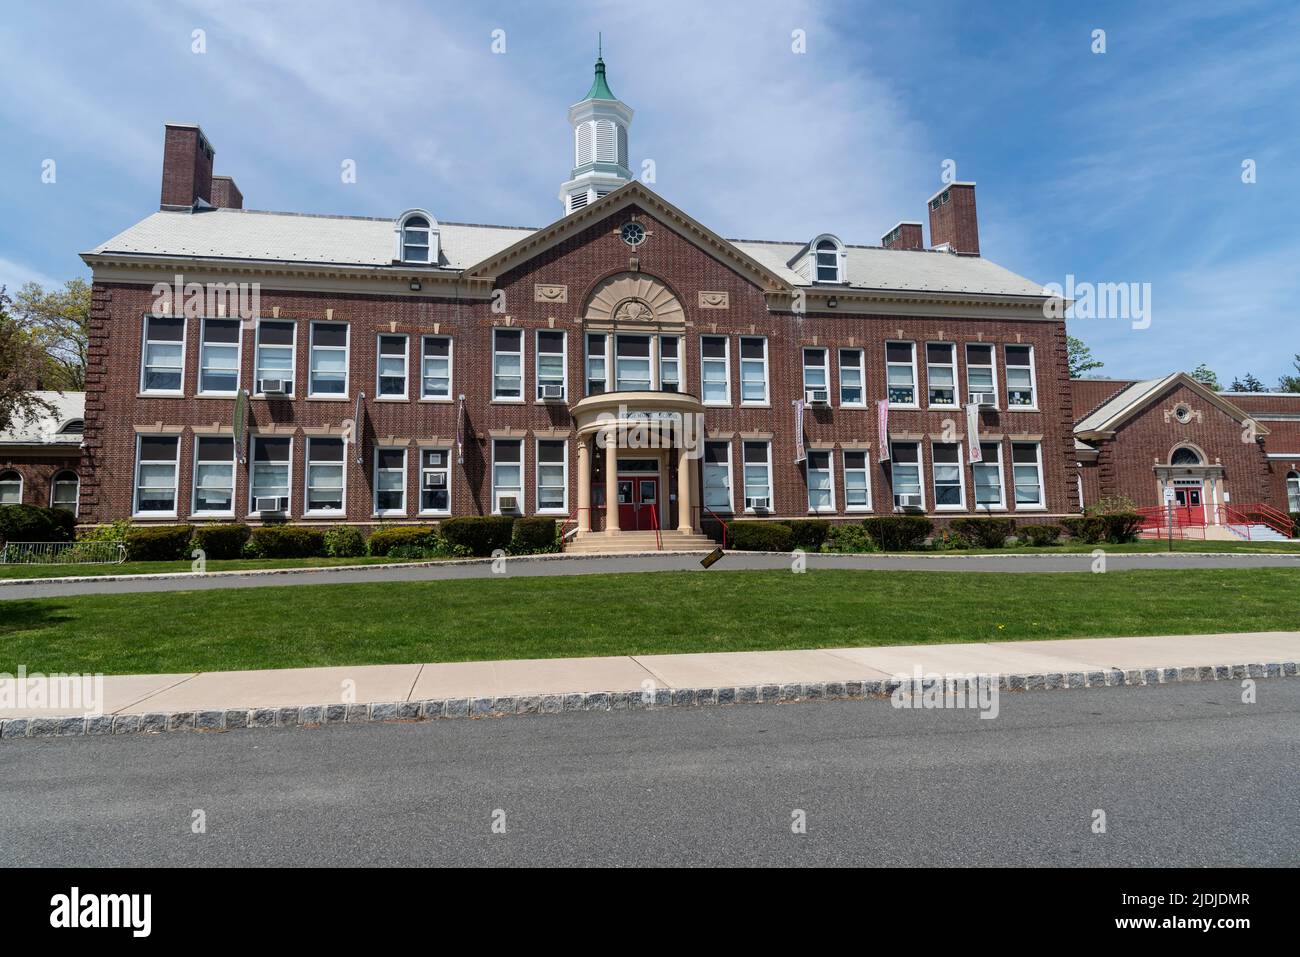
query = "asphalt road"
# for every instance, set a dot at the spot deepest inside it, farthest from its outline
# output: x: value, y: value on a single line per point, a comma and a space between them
x: 605, y: 564
x: 1186, y: 775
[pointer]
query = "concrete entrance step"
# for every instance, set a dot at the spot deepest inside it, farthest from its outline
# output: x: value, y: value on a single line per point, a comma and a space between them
x: 625, y: 542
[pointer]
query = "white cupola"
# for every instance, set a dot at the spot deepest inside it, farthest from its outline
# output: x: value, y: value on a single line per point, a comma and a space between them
x: 600, y: 123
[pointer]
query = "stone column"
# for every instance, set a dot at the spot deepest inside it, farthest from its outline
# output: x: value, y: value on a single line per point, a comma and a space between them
x: 685, y: 492
x: 611, y: 482
x: 584, y: 484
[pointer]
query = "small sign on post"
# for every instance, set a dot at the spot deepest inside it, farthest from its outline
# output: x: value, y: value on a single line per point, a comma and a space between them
x: 1169, y: 507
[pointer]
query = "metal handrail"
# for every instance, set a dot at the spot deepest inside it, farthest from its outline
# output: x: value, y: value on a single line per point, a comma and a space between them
x: 705, y: 510
x: 572, y: 518
x: 654, y: 516
x: 1279, y: 521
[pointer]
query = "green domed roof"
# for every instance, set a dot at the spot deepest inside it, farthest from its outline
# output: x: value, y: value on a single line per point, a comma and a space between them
x: 599, y: 88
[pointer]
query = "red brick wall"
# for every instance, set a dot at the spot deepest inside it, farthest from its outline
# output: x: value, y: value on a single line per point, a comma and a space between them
x: 187, y: 166
x: 1091, y: 394
x: 955, y: 222
x: 38, y: 471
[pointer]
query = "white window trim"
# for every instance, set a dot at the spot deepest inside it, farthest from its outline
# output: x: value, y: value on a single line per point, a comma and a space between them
x: 144, y: 353
x: 176, y: 478
x: 446, y: 450
x: 920, y: 472
x: 979, y: 506
x: 587, y: 356
x: 726, y: 365
x: 825, y: 367
x: 956, y: 379
x: 866, y: 467
x: 76, y: 505
x: 744, y: 485
x: 916, y: 383
x: 652, y: 360
x: 1293, y: 480
x: 293, y: 357
x: 1033, y: 377
x: 992, y: 367
x: 657, y: 366
x: 537, y: 366
x: 22, y: 482
x: 523, y: 367
x: 306, y: 480
x: 347, y: 359
x: 861, y: 367
x: 406, y: 367
x: 1041, y: 504
x: 537, y: 477
x: 767, y: 385
x: 730, y: 508
x: 239, y: 359
x: 523, y: 474
x: 839, y: 260
x: 451, y: 369
x: 961, y: 477
x: 194, y: 481
x: 375, y: 510
x: 252, y: 465
x: 830, y: 469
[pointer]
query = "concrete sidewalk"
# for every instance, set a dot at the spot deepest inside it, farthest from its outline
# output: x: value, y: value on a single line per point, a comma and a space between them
x: 236, y: 699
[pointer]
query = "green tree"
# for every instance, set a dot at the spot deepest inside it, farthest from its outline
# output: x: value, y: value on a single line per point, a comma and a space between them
x: 22, y: 363
x: 58, y: 322
x: 1081, y: 358
x: 1291, y: 383
x: 1207, y: 377
x: 1247, y: 383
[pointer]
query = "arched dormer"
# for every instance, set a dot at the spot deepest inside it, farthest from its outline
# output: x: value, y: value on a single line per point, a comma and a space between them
x: 416, y: 238
x: 824, y: 260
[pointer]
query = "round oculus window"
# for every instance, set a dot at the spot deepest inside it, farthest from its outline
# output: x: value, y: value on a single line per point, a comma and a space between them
x: 1182, y: 413
x: 633, y: 234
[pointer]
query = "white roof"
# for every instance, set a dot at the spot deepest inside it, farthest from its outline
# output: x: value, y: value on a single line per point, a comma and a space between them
x: 369, y: 242
x: 43, y: 429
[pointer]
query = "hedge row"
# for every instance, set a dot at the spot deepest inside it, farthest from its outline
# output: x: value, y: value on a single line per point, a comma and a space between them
x: 901, y: 533
x: 31, y: 523
x: 1114, y: 529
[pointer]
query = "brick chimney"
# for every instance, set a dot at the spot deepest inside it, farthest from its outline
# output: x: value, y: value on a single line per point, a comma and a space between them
x: 225, y: 194
x: 953, y: 224
x: 187, y: 167
x: 904, y: 235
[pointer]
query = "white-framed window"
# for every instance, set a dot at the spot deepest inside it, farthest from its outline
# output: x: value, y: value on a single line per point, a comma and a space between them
x: 162, y: 361
x: 1020, y: 378
x: 987, y: 476
x: 853, y: 378
x: 65, y: 491
x: 632, y: 363
x: 508, y: 365
x: 272, y: 474
x: 826, y: 260
x: 507, y: 475
x: 415, y: 240
x: 552, y: 477
x: 597, y: 363
x: 758, y: 476
x: 1027, y: 474
x: 905, y: 472
x: 821, y: 481
x: 11, y: 487
x: 981, y: 383
x: 552, y: 366
x: 390, y: 480
x: 670, y: 363
x: 157, y: 461
x: 214, y: 475
x: 391, y: 367
x: 900, y: 371
x: 753, y: 370
x: 328, y: 374
x: 435, y: 368
x: 857, y: 480
x: 715, y: 370
x: 220, y: 344
x: 326, y: 475
x: 949, y: 489
x: 717, y: 476
x: 816, y: 371
x: 941, y: 373
x: 1293, y: 491
x: 435, y: 481
x: 276, y: 355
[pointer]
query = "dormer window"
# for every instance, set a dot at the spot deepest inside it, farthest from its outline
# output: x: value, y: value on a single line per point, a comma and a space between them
x: 827, y: 254
x: 417, y: 238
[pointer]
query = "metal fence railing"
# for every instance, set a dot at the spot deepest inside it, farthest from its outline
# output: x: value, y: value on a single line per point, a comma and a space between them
x: 63, y: 553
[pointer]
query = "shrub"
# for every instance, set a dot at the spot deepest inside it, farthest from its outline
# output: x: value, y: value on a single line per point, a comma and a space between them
x: 344, y: 541
x: 31, y: 523
x: 808, y: 533
x: 1041, y: 535
x: 158, y: 543
x: 1086, y: 528
x: 112, y: 532
x: 287, y: 541
x: 1295, y: 524
x: 1121, y: 527
x: 984, y: 532
x: 1111, y: 505
x: 949, y: 541
x: 534, y: 536
x: 899, y: 533
x: 440, y: 548
x: 758, y: 536
x: 849, y: 538
x: 481, y: 534
x: 221, y: 541
x: 384, y: 539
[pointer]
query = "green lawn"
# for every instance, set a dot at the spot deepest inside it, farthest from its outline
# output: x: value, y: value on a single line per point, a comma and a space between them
x: 647, y: 613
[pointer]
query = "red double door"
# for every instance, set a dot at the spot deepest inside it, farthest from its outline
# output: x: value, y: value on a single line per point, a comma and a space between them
x: 638, y: 504
x: 1188, y: 507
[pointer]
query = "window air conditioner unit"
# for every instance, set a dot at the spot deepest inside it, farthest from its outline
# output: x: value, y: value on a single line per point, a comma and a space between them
x: 273, y: 386
x: 758, y: 504
x: 271, y: 503
x: 985, y: 400
x: 907, y: 501
x: 507, y: 503
x: 552, y: 392
x: 435, y: 478
x: 817, y: 396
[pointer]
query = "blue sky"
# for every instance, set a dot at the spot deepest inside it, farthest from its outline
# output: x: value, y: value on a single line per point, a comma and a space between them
x: 1123, y: 166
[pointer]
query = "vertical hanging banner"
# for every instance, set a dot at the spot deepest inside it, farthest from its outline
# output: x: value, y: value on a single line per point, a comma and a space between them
x: 355, y: 434
x: 882, y: 428
x: 460, y: 432
x: 799, y: 454
x: 240, y: 426
x: 973, y: 453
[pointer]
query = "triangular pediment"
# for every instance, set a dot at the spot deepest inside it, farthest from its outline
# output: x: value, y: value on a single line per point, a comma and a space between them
x: 1140, y: 396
